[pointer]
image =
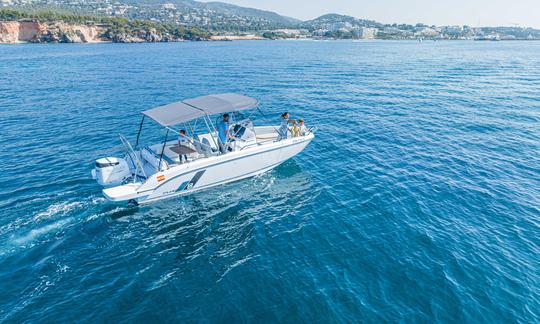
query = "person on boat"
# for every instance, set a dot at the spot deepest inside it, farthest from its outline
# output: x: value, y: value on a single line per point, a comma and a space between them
x: 302, y: 128
x: 184, y: 140
x: 284, y: 127
x: 295, y: 130
x: 223, y: 134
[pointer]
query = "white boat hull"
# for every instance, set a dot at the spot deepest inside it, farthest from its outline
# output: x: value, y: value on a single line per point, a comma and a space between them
x: 201, y: 174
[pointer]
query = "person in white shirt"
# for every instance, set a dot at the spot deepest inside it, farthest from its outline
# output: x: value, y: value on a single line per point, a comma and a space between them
x: 183, y: 140
x: 303, y: 128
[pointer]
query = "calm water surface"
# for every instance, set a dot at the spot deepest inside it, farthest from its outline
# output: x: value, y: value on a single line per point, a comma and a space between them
x: 418, y: 201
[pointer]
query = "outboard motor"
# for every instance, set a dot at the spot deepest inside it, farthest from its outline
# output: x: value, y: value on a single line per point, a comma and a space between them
x: 111, y: 171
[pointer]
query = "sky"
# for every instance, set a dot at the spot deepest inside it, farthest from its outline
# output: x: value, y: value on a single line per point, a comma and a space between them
x: 523, y: 13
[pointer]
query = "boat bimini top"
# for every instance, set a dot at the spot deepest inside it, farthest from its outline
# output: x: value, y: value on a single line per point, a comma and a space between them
x: 189, y: 109
x: 183, y: 112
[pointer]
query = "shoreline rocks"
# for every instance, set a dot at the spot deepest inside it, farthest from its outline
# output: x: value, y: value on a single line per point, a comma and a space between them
x: 34, y: 31
x: 61, y: 32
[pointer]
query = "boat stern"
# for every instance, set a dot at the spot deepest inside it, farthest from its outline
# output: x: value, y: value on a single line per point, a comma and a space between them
x: 122, y: 193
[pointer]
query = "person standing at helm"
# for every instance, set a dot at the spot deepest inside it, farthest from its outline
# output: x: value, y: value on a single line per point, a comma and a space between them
x: 223, y: 133
x: 284, y: 126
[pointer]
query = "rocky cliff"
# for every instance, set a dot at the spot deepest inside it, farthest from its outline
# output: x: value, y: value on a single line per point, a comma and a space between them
x: 59, y: 32
x: 9, y: 32
x: 34, y: 31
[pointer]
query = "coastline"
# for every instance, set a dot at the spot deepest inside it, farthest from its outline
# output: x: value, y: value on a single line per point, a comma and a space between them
x: 36, y: 32
x: 244, y: 39
x: 44, y: 25
x: 235, y: 37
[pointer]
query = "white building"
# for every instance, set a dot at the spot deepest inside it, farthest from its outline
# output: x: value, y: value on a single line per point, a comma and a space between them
x: 427, y: 32
x: 367, y: 33
x: 292, y: 32
x: 169, y: 6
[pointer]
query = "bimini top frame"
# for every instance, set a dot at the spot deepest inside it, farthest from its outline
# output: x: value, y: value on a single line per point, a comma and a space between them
x: 189, y: 109
x: 199, y: 107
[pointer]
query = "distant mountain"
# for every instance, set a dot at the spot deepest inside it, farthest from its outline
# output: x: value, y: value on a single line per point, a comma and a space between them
x: 208, y: 15
x: 220, y: 7
x: 251, y: 12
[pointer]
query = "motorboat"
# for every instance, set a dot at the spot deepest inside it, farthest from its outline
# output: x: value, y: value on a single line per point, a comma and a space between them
x: 147, y: 173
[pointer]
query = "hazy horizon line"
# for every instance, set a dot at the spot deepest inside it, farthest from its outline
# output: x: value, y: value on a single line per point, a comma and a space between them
x: 313, y: 16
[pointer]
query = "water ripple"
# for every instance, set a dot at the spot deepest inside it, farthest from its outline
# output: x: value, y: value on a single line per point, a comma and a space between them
x: 419, y: 200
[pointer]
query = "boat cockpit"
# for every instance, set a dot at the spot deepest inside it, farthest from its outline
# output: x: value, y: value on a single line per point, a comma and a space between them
x: 198, y: 146
x: 187, y: 143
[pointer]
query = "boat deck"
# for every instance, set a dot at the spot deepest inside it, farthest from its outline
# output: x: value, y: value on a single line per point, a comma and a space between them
x: 203, y: 147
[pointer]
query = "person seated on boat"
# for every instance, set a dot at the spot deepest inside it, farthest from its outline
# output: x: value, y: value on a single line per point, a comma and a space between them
x: 224, y: 135
x: 284, y: 126
x: 184, y: 140
x: 295, y: 130
x: 303, y: 129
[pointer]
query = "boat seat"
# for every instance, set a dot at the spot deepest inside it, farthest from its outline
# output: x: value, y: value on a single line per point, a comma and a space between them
x: 198, y: 147
x: 168, y: 155
x: 207, y: 148
x: 152, y: 159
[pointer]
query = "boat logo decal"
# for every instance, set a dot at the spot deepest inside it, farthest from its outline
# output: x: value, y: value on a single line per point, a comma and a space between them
x: 189, y: 185
x: 160, y: 178
x: 182, y: 186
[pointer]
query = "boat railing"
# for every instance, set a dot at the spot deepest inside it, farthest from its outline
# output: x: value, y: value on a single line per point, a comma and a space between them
x: 309, y: 130
x: 133, y: 157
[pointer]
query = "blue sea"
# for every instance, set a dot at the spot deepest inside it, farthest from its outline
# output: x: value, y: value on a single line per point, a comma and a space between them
x: 418, y: 201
